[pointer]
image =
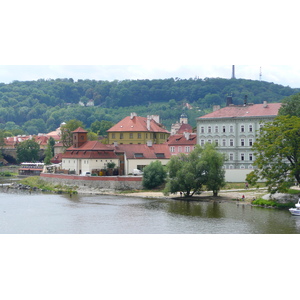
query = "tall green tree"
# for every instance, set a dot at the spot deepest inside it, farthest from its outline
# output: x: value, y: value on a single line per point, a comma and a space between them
x: 154, y: 175
x: 291, y: 106
x: 28, y: 151
x: 277, y: 154
x: 66, y: 132
x: 49, y: 150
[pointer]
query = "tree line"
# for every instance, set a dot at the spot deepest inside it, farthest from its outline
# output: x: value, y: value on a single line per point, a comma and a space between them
x: 31, y: 107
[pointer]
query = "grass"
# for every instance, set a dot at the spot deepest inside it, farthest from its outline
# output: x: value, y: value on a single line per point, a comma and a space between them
x: 37, y: 182
x: 270, y: 203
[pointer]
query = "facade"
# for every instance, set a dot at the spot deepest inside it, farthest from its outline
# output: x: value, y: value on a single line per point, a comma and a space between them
x: 182, y: 143
x: 234, y: 129
x: 138, y: 130
x: 93, y: 157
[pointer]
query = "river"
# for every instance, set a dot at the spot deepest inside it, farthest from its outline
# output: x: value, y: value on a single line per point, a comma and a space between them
x: 25, y: 213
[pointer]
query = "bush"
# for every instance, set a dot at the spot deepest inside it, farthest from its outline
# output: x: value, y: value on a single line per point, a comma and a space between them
x: 154, y: 175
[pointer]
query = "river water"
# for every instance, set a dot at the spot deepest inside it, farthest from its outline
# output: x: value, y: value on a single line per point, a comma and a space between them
x: 25, y: 213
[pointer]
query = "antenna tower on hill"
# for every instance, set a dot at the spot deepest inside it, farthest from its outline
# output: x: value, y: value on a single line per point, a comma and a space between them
x: 233, y: 72
x: 260, y: 74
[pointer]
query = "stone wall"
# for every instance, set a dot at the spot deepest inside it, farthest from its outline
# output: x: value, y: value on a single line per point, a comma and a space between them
x: 97, y: 182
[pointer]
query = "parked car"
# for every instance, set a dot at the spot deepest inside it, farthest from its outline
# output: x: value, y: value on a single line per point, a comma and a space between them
x: 86, y: 174
x: 137, y: 172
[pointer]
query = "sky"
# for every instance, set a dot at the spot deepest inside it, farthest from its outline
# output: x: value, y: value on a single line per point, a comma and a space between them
x: 284, y: 75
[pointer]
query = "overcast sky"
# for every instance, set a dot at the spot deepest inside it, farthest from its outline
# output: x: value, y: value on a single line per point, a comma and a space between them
x: 108, y: 40
x: 285, y: 75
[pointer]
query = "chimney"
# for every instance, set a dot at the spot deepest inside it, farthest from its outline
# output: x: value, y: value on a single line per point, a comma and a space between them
x: 246, y: 100
x: 229, y: 100
x: 265, y: 104
x: 149, y: 143
x: 216, y: 107
x: 116, y: 144
x: 132, y: 115
x: 187, y: 135
x: 148, y: 122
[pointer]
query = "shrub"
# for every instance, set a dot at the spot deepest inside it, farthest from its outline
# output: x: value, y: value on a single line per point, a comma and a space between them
x: 154, y: 175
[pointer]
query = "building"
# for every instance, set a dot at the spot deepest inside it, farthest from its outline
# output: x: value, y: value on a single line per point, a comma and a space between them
x: 182, y: 143
x: 182, y: 125
x: 234, y: 129
x: 93, y: 157
x: 138, y: 130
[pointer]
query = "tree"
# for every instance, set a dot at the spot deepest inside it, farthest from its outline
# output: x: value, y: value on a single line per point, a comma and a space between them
x: 190, y: 173
x: 290, y: 106
x: 28, y: 151
x: 215, y: 172
x: 154, y: 175
x: 66, y: 132
x: 49, y: 150
x: 277, y: 154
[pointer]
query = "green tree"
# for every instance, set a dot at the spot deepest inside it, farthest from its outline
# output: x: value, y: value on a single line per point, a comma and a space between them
x: 214, y: 170
x: 277, y: 154
x: 190, y: 173
x: 154, y: 175
x: 291, y: 106
x: 66, y: 132
x: 28, y: 151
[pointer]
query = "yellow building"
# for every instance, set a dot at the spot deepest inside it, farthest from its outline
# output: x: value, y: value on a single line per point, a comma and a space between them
x: 138, y: 130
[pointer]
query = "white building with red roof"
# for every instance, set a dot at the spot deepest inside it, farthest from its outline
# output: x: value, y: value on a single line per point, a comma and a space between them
x: 234, y: 129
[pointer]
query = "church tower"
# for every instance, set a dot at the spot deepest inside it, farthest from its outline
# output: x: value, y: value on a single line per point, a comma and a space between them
x: 79, y: 137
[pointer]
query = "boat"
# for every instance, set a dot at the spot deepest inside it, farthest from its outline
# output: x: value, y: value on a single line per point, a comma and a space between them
x: 28, y: 169
x: 296, y: 210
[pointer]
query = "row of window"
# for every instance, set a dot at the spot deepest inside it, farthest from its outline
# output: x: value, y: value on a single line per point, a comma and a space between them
x: 187, y: 149
x: 228, y: 143
x: 138, y: 135
x: 224, y: 129
x: 242, y: 157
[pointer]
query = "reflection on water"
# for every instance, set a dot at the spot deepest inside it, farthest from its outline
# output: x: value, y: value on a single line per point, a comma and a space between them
x: 22, y: 212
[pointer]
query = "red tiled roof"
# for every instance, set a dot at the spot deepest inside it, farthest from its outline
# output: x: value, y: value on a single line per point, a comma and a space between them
x: 91, y: 145
x: 148, y: 152
x: 79, y: 129
x: 239, y: 111
x: 185, y: 128
x: 180, y: 139
x: 136, y: 124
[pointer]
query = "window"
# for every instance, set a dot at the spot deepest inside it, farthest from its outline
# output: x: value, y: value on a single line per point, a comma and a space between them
x: 161, y: 135
x: 179, y: 149
x: 224, y: 129
x: 231, y: 143
x: 224, y: 143
x: 242, y: 142
x: 250, y: 156
x: 250, y: 142
x: 138, y: 155
x: 202, y: 129
x: 121, y: 136
x: 243, y: 156
x: 242, y: 128
x: 209, y: 129
x: 216, y: 129
x: 231, y: 129
x: 187, y: 149
x: 231, y: 156
x: 131, y: 135
x: 160, y: 155
x: 172, y: 149
x: 113, y: 135
x: 217, y: 142
x: 250, y: 128
x: 202, y: 142
x: 209, y: 141
x: 139, y: 135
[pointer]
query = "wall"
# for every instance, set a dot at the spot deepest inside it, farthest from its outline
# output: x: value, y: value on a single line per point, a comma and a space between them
x: 97, y: 182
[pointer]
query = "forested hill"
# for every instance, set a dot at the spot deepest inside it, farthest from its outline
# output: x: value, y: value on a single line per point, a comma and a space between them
x: 40, y: 106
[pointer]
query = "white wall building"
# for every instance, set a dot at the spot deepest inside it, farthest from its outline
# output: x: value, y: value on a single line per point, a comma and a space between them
x: 234, y: 129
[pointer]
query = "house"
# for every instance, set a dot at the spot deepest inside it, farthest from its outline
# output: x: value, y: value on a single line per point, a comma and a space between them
x: 182, y: 125
x: 92, y: 156
x: 182, y: 143
x: 138, y: 156
x: 234, y: 129
x: 138, y: 130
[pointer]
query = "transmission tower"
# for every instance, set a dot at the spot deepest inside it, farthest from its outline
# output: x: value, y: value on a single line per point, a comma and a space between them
x: 260, y: 74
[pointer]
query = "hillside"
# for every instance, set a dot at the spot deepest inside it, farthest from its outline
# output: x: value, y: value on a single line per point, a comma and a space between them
x: 41, y: 106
